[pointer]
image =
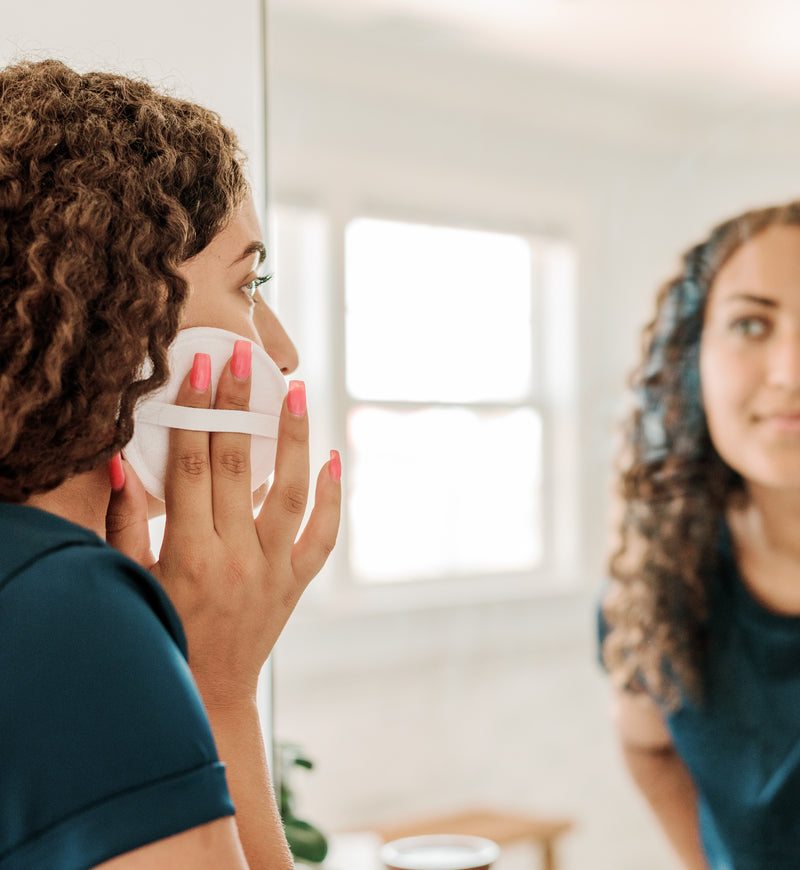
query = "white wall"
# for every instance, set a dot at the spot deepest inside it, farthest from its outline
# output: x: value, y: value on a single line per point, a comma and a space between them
x: 433, y: 709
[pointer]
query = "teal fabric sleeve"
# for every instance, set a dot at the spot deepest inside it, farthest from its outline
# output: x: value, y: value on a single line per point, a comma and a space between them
x: 104, y: 739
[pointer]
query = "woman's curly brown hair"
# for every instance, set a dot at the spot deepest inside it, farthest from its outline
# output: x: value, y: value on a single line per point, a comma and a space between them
x: 673, y: 487
x: 106, y: 187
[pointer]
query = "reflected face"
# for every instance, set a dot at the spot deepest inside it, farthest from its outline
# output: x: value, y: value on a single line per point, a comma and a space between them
x: 750, y: 359
x: 218, y: 294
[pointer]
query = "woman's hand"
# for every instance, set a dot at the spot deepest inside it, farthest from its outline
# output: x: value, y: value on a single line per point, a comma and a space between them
x: 233, y: 579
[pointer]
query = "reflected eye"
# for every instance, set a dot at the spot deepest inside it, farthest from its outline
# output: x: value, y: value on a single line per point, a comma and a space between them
x: 251, y: 288
x: 750, y: 327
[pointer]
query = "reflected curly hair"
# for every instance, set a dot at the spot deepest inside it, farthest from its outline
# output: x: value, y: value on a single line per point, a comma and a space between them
x: 673, y: 487
x: 106, y: 187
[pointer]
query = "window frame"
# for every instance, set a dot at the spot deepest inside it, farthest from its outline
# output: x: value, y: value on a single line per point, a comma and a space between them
x: 336, y: 590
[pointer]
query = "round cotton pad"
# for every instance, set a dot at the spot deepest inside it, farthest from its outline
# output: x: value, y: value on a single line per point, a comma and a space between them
x: 157, y: 412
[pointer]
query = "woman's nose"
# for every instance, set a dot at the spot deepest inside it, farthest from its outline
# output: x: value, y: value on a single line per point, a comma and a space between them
x: 275, y: 339
x: 784, y: 369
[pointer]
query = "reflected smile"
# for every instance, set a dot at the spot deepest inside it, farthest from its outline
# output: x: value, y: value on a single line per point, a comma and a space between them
x: 782, y: 421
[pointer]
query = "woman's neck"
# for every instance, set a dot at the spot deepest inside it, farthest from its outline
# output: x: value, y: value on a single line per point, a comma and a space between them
x: 766, y: 536
x: 773, y: 516
x: 82, y: 500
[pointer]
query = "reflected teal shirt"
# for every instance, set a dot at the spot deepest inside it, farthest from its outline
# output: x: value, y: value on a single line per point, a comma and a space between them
x: 104, y: 742
x: 742, y: 744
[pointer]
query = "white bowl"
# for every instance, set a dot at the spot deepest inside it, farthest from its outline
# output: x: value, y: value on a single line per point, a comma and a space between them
x: 440, y: 852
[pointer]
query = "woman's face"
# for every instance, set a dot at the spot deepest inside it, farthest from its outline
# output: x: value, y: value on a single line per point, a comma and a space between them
x: 217, y: 276
x: 750, y: 359
x: 217, y: 297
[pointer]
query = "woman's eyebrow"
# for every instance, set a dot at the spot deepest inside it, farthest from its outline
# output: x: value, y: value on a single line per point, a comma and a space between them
x: 252, y: 248
x: 751, y: 297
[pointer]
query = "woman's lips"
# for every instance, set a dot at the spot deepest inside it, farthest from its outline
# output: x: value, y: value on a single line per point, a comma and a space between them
x: 782, y: 421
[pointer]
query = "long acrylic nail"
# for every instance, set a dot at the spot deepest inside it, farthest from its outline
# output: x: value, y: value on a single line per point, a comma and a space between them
x: 116, y: 473
x: 241, y: 360
x: 336, y: 466
x: 296, y: 401
x: 200, y: 377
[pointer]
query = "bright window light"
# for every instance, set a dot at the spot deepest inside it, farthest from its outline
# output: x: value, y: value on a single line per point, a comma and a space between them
x: 436, y: 314
x: 443, y: 366
x: 442, y: 492
x: 445, y: 442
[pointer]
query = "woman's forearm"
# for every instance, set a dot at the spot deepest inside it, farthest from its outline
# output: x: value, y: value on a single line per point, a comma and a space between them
x: 665, y: 782
x: 240, y: 745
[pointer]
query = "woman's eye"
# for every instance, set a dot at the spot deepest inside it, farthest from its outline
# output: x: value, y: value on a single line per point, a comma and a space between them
x: 750, y: 327
x: 250, y: 289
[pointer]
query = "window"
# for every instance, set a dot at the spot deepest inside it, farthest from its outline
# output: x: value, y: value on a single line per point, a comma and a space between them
x: 448, y: 360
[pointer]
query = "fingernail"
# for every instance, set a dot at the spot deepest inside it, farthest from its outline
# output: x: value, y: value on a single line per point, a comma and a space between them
x: 336, y: 465
x: 296, y: 401
x: 201, y: 372
x: 116, y: 472
x: 241, y: 360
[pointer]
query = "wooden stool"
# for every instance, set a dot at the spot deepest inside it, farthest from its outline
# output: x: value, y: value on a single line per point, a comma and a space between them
x: 502, y: 827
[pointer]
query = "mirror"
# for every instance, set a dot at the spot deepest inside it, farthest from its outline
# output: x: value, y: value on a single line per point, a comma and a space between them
x: 622, y: 130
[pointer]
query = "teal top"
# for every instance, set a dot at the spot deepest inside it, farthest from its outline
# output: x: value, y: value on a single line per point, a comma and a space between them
x: 741, y: 744
x: 104, y: 742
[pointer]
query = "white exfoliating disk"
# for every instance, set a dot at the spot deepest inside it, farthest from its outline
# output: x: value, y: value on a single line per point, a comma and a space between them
x: 157, y: 412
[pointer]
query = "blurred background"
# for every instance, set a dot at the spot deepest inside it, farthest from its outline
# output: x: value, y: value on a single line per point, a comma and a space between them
x: 473, y: 205
x: 470, y: 207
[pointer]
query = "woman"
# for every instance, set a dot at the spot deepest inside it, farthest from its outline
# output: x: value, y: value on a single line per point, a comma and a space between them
x: 124, y: 215
x: 701, y: 622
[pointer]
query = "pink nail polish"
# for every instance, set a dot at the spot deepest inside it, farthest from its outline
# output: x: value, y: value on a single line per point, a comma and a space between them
x: 116, y: 472
x: 200, y: 377
x: 241, y: 360
x: 336, y: 466
x: 296, y: 400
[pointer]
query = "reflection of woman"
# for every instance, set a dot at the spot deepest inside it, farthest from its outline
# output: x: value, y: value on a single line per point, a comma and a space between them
x: 123, y: 215
x: 702, y: 617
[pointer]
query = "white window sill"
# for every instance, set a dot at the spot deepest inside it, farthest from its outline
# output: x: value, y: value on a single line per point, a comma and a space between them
x: 370, y: 634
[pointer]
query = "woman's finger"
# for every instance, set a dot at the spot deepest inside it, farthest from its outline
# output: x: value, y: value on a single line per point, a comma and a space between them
x: 319, y: 536
x: 187, y: 483
x: 126, y: 517
x: 280, y: 518
x: 230, y: 451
